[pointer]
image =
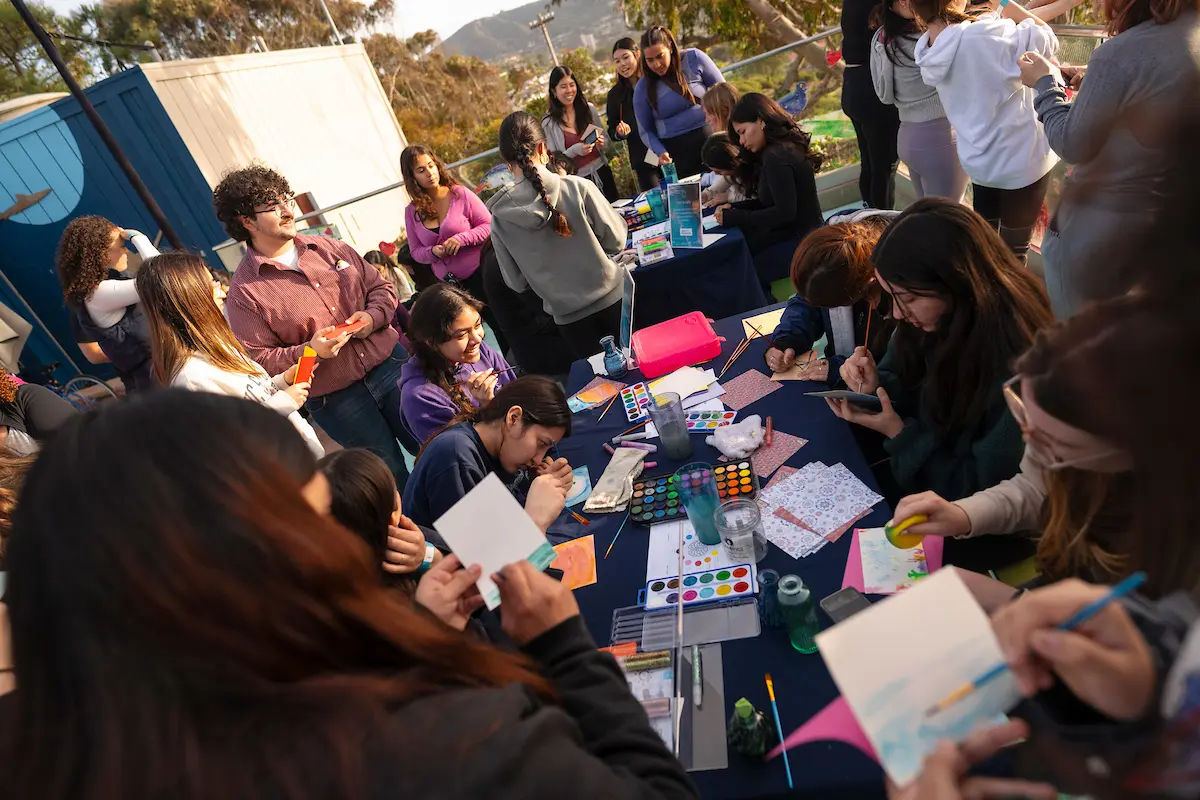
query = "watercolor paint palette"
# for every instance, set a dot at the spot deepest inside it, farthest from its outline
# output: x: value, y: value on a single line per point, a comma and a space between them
x: 722, y: 583
x: 656, y: 498
x: 709, y: 420
x: 635, y: 398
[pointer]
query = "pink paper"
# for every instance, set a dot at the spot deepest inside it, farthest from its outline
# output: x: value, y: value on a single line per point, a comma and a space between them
x: 934, y: 547
x: 747, y: 388
x: 836, y: 723
x: 768, y: 459
x: 780, y: 474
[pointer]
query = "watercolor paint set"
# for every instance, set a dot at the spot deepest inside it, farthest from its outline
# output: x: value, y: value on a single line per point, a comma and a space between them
x: 722, y: 583
x: 656, y: 498
x: 699, y: 421
x: 635, y: 398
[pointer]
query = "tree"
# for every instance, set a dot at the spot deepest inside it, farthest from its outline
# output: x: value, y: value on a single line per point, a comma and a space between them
x: 203, y: 28
x: 24, y: 68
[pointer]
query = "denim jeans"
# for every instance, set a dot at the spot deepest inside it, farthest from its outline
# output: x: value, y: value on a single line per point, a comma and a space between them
x: 367, y: 414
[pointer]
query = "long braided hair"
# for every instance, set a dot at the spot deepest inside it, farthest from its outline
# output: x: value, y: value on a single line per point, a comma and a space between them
x: 520, y: 135
x: 432, y: 317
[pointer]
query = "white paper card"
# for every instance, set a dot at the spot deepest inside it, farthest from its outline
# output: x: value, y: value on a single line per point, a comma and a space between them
x: 508, y: 536
x: 712, y: 238
x: 903, y: 655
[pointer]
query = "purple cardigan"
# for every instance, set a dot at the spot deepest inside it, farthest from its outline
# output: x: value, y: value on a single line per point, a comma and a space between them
x: 467, y: 220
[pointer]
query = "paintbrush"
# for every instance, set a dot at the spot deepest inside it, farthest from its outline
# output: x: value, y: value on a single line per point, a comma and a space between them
x: 579, y: 517
x: 1078, y: 618
x: 631, y: 430
x: 494, y: 372
x: 614, y: 539
x: 761, y: 335
x: 607, y: 407
x: 779, y: 728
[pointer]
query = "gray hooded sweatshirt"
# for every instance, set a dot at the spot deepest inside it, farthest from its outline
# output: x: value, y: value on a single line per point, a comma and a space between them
x: 572, y: 274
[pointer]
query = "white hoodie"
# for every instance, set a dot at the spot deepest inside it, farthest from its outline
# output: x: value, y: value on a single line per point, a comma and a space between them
x: 973, y: 66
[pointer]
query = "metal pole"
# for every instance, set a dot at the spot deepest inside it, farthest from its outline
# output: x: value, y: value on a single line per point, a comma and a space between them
x: 549, y: 46
x: 337, y: 37
x: 98, y: 123
x: 541, y: 22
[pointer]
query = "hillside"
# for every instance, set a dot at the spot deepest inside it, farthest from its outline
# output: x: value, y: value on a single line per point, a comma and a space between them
x: 577, y: 23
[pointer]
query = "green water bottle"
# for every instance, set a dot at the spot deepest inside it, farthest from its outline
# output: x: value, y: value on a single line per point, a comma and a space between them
x: 799, y: 613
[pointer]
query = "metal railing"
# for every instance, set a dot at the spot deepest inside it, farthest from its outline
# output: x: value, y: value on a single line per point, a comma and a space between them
x: 1064, y: 30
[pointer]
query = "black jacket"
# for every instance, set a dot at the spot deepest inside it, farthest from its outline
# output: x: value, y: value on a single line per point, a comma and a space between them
x: 506, y: 743
x: 620, y: 109
x: 786, y: 205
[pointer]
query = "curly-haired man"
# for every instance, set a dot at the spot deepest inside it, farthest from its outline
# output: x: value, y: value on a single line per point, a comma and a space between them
x: 292, y: 291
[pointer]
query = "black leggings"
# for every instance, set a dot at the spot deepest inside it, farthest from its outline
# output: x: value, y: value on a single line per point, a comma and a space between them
x: 685, y: 151
x: 647, y: 176
x: 876, y: 126
x: 608, y: 184
x: 1012, y: 212
x: 583, y: 336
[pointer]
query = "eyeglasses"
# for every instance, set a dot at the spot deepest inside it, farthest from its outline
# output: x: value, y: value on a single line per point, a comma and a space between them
x: 1043, y: 442
x: 286, y: 203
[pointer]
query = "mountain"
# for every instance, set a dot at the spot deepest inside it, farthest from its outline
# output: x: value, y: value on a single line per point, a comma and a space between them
x: 577, y: 23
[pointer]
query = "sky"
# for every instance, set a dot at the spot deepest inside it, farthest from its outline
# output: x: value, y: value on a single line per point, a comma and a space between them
x: 411, y: 15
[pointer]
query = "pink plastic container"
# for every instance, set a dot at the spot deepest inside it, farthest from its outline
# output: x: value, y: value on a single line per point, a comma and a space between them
x: 679, y: 342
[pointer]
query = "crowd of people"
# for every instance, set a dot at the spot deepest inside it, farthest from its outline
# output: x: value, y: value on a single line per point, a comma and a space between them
x: 252, y: 616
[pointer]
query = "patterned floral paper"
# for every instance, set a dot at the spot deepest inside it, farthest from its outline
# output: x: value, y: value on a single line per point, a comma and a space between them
x: 768, y: 459
x: 780, y: 474
x: 747, y: 388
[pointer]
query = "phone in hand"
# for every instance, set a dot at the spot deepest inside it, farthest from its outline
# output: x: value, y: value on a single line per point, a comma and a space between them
x: 843, y: 604
x: 868, y: 401
x: 591, y: 136
x: 306, y: 366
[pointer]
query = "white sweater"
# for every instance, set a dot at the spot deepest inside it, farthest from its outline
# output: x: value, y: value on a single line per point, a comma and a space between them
x: 108, y: 301
x: 973, y: 66
x: 199, y: 375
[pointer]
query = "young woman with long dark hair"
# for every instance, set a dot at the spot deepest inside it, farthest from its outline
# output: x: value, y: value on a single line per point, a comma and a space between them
x: 446, y: 222
x: 1107, y: 133
x: 971, y: 61
x: 452, y: 369
x: 622, y: 116
x: 217, y: 631
x: 967, y: 309
x: 836, y: 297
x: 92, y: 257
x: 734, y: 172
x: 875, y: 123
x: 667, y: 100
x: 554, y: 235
x: 784, y: 206
x: 194, y: 348
x: 567, y: 122
x: 925, y: 141
x: 510, y: 436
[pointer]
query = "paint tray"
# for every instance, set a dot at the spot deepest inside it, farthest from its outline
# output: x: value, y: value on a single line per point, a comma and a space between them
x: 713, y: 622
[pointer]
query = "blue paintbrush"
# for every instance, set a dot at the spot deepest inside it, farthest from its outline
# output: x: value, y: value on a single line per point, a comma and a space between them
x: 1078, y: 618
x: 779, y: 728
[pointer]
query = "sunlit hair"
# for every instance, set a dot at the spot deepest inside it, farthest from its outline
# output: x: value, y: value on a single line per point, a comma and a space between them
x: 177, y: 297
x: 82, y: 256
x: 209, y: 634
x: 1125, y: 14
x: 719, y: 101
x: 674, y: 77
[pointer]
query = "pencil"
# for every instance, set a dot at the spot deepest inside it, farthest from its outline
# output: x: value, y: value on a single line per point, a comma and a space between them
x: 614, y: 541
x: 607, y: 407
x: 867, y: 338
x: 581, y: 518
x: 779, y: 728
x: 1078, y: 618
x: 737, y: 353
x: 494, y: 372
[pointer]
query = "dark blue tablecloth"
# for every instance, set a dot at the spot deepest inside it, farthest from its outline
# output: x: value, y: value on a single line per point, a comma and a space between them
x: 718, y: 280
x: 802, y: 684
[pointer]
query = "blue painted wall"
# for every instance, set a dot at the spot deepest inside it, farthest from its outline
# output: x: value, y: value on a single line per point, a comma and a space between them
x: 56, y: 148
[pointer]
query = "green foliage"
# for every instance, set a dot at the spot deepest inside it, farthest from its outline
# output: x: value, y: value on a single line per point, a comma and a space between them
x: 24, y: 68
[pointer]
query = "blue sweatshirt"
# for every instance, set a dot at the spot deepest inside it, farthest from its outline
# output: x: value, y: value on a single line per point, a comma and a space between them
x: 676, y: 114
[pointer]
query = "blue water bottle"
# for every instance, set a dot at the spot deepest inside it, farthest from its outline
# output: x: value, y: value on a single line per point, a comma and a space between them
x: 614, y: 360
x: 670, y: 174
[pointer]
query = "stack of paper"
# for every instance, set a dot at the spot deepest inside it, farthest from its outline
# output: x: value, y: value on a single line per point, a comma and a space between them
x: 816, y: 505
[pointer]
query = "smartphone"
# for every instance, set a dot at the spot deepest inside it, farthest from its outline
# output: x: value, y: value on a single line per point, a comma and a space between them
x: 856, y: 398
x: 306, y: 365
x: 844, y: 604
x: 591, y: 136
